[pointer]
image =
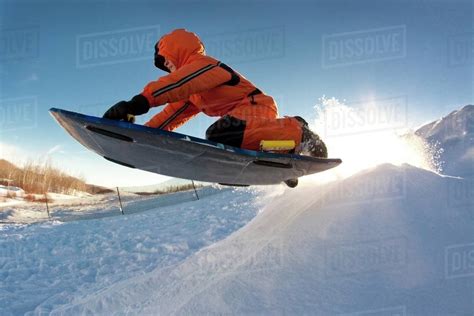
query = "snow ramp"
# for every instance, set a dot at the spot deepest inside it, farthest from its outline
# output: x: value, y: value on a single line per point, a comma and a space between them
x: 387, y: 241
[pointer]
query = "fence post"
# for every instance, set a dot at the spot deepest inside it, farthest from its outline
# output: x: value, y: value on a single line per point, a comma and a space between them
x: 195, y: 192
x: 47, y: 206
x: 120, y: 201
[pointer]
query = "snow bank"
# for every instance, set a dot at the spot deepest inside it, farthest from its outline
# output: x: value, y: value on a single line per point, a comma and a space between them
x: 67, y: 208
x: 390, y: 240
x: 17, y: 196
x: 12, y: 191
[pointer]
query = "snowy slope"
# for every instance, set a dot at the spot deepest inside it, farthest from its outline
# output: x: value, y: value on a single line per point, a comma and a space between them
x: 454, y: 134
x: 390, y: 240
x: 48, y: 264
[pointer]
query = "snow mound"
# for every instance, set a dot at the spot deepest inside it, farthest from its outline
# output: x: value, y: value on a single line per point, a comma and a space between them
x: 389, y: 240
x: 454, y: 135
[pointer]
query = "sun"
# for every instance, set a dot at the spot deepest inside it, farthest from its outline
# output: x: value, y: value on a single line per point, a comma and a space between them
x: 366, y: 135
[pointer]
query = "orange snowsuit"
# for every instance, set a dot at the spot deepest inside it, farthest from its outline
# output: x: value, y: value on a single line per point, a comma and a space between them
x: 204, y: 84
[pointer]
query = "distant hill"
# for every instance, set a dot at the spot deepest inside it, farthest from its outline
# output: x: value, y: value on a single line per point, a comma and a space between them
x: 6, y: 167
x: 454, y: 135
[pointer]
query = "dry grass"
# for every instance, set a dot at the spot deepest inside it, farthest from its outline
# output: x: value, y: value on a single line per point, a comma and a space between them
x: 41, y: 177
x: 40, y: 198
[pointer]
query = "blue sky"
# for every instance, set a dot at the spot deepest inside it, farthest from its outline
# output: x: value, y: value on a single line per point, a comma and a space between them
x: 284, y: 47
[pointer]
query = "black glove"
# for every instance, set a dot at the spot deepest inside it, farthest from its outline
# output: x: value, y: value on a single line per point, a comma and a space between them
x: 138, y: 105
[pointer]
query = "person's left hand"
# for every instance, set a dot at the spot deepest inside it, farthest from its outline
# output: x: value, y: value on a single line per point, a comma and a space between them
x: 118, y: 112
x: 126, y: 110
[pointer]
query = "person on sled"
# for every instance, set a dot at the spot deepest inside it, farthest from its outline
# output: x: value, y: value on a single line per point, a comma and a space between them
x: 199, y: 83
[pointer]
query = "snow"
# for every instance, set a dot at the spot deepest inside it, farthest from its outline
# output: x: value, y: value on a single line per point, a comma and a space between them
x: 19, y: 195
x: 69, y: 258
x: 10, y: 202
x: 388, y: 239
x: 384, y: 240
x: 5, y: 190
x: 60, y: 196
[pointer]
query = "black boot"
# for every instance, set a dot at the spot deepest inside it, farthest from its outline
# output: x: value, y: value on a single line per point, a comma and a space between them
x: 311, y: 144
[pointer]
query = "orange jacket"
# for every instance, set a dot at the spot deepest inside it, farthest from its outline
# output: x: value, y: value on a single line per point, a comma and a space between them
x: 201, y: 82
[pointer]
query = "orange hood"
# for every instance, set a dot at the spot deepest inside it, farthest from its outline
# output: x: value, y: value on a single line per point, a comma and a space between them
x: 179, y: 45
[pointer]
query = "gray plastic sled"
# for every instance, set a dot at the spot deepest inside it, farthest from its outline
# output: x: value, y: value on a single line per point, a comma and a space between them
x: 183, y: 156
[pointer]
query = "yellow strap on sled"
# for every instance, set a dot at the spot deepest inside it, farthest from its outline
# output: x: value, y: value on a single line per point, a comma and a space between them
x: 277, y: 145
x: 130, y: 118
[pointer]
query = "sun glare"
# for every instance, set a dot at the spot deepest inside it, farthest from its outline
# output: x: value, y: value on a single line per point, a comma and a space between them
x: 365, y: 135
